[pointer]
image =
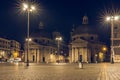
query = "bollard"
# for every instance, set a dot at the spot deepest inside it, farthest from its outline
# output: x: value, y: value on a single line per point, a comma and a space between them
x: 80, y: 65
x: 96, y: 62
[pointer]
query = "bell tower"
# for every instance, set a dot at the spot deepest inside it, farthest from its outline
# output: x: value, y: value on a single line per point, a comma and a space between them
x: 41, y: 25
x: 85, y: 20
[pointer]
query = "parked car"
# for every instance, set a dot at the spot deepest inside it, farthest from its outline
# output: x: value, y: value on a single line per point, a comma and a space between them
x: 11, y: 60
x: 17, y: 60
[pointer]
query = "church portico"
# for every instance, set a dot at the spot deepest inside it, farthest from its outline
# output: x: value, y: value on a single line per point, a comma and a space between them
x: 77, y: 52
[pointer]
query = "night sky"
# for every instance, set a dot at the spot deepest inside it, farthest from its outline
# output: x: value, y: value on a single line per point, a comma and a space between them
x: 57, y: 15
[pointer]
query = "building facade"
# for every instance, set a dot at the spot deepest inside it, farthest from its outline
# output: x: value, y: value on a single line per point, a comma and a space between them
x: 43, y: 46
x: 85, y: 45
x: 9, y: 48
x: 116, y: 42
x: 15, y: 48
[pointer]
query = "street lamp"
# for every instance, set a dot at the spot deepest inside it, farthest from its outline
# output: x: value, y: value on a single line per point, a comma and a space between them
x: 58, y: 39
x: 96, y: 55
x: 28, y: 39
x: 104, y: 49
x: 28, y: 8
x: 112, y: 19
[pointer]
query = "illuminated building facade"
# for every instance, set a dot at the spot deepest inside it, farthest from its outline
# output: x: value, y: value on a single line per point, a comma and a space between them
x: 85, y: 45
x: 43, y: 47
x: 15, y: 47
x: 8, y: 48
x: 116, y: 42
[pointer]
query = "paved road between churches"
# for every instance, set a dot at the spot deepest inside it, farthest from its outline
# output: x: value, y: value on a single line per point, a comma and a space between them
x: 101, y: 71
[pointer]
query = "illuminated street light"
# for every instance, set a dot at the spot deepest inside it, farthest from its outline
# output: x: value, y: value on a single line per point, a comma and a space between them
x: 96, y: 55
x: 58, y: 39
x: 112, y: 19
x: 104, y: 49
x: 28, y: 8
x: 29, y: 39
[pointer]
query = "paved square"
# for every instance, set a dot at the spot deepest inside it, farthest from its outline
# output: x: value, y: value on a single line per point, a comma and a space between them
x: 101, y: 71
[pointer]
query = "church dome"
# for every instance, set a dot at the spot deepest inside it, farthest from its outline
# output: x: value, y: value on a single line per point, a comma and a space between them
x: 84, y: 28
x: 41, y: 32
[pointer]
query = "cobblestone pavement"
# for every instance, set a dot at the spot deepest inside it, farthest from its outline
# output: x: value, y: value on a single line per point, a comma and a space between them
x: 101, y: 71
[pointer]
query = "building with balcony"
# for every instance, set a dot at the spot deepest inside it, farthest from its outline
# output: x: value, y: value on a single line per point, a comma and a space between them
x: 116, y: 42
x: 15, y: 48
x: 9, y: 48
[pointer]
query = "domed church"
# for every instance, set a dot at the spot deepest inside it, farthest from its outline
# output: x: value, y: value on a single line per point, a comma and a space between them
x: 84, y: 45
x: 43, y: 47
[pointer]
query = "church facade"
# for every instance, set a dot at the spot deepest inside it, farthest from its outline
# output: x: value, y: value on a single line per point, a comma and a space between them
x: 43, y: 46
x: 85, y: 45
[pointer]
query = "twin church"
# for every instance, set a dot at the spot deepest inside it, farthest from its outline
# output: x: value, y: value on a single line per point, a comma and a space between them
x: 84, y: 45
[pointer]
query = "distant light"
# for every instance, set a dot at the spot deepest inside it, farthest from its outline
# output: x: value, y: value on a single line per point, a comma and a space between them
x: 30, y: 10
x: 59, y: 38
x: 96, y: 55
x: 111, y: 18
x: 104, y: 49
x: 33, y: 7
x: 29, y: 39
x: 24, y: 9
x: 108, y: 18
x: 25, y: 5
x: 116, y: 17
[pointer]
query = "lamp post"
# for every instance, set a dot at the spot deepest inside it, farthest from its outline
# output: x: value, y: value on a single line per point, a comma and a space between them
x: 96, y: 57
x: 58, y: 39
x: 112, y: 19
x: 28, y: 8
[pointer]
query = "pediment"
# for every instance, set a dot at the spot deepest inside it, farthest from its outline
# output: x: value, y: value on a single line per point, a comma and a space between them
x: 79, y: 41
x: 33, y: 43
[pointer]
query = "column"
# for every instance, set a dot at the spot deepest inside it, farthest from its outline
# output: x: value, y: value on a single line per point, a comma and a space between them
x: 40, y: 56
x: 37, y: 55
x: 78, y: 53
x: 73, y: 51
x: 70, y: 53
x: 74, y: 55
x: 38, y: 51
